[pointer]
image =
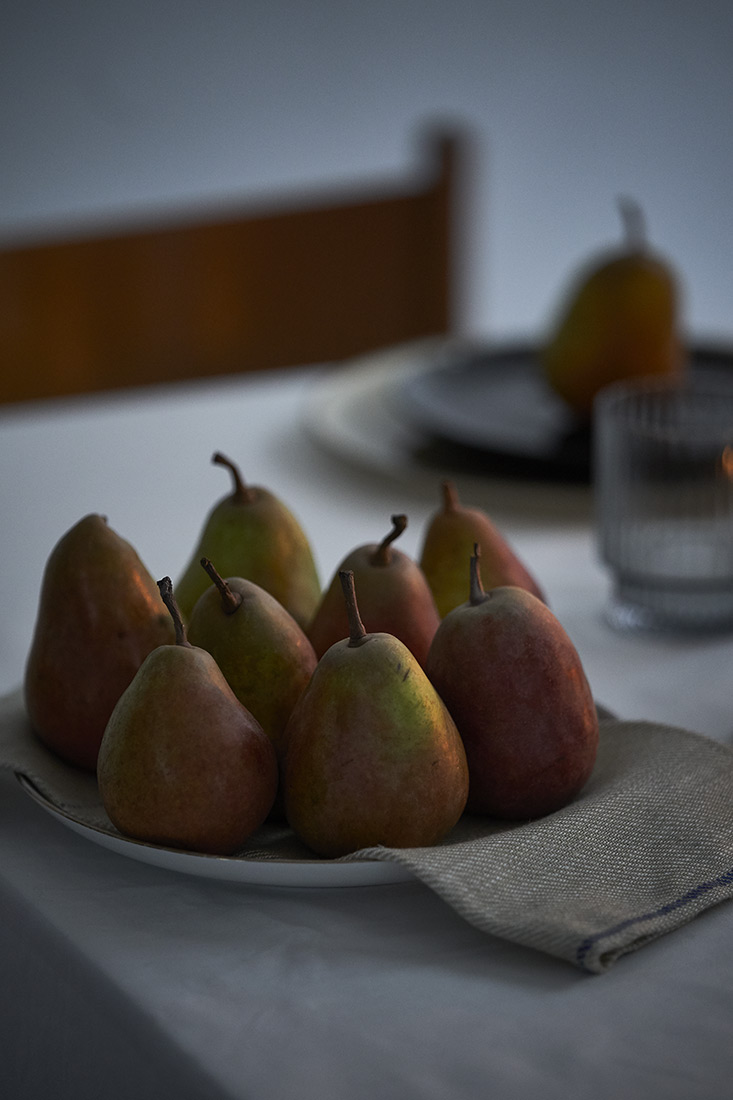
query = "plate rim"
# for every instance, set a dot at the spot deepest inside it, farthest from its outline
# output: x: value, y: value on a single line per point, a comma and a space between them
x: 281, y: 873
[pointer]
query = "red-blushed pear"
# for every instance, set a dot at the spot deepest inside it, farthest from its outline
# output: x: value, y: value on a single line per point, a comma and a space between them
x: 182, y: 763
x: 99, y: 615
x: 448, y: 544
x: 373, y: 756
x: 514, y: 684
x: 394, y: 597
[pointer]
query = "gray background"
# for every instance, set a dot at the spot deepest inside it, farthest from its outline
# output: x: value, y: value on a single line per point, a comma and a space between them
x: 112, y: 110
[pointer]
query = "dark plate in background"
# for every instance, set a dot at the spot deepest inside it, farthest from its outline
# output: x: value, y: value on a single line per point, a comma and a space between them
x: 492, y: 412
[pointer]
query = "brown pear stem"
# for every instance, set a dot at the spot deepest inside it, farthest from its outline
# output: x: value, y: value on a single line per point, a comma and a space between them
x: 451, y: 503
x: 165, y: 587
x: 383, y: 555
x: 242, y: 494
x: 357, y: 631
x: 230, y: 601
x: 477, y: 594
x: 634, y: 225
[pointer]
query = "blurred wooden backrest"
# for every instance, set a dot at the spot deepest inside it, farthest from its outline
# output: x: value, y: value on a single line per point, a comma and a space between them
x: 249, y: 291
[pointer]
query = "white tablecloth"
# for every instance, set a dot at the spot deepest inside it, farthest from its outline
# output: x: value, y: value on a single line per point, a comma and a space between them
x: 125, y: 980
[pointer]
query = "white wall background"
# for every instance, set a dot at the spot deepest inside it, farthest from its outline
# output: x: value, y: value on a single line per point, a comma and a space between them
x: 112, y: 108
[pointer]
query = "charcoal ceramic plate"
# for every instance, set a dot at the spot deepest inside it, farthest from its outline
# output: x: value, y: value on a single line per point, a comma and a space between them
x: 491, y: 411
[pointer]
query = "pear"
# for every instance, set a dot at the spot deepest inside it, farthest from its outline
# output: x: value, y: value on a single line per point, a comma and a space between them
x: 265, y: 656
x: 448, y: 543
x: 252, y: 534
x: 394, y: 597
x: 514, y: 684
x: 373, y: 756
x: 182, y: 763
x: 620, y: 319
x: 99, y: 615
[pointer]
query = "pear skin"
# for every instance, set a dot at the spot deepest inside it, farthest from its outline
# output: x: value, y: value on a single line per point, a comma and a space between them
x: 516, y: 689
x: 620, y: 319
x: 264, y: 655
x: 394, y: 597
x: 448, y: 543
x: 99, y: 616
x: 182, y: 763
x: 373, y: 756
x: 250, y: 533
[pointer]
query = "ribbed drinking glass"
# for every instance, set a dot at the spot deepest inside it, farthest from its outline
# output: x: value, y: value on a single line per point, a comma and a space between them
x: 663, y: 480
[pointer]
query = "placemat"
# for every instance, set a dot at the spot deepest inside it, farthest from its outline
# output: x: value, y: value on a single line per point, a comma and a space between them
x: 646, y: 846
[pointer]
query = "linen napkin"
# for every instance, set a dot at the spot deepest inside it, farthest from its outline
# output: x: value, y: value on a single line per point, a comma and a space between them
x: 646, y: 846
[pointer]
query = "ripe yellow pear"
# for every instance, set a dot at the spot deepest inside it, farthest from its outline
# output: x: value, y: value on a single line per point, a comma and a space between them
x: 620, y: 319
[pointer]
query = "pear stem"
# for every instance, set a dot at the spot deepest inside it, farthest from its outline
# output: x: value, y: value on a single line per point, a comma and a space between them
x: 357, y: 631
x: 165, y: 587
x: 451, y: 503
x: 242, y: 494
x: 634, y: 225
x: 477, y: 594
x: 230, y: 601
x: 383, y: 555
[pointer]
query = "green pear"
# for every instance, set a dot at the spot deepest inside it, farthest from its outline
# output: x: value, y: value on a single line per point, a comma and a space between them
x: 182, y: 763
x: 620, y: 318
x: 373, y: 756
x: 265, y: 656
x: 448, y: 543
x: 394, y: 597
x: 516, y: 689
x: 99, y: 616
x: 252, y: 534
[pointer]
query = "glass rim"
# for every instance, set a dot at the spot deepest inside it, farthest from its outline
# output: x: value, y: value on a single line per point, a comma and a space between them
x: 700, y: 384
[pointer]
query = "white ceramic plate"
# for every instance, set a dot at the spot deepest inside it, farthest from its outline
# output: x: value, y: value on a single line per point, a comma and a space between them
x: 259, y: 872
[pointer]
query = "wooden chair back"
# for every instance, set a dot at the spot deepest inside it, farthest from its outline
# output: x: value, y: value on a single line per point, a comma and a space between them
x: 249, y: 290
